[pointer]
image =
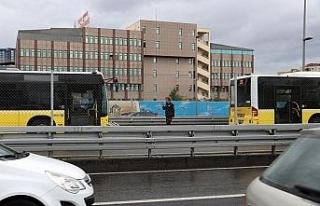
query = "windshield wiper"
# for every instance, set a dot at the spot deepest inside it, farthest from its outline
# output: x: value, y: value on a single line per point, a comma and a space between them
x: 9, y: 156
x: 15, y: 155
x: 308, y: 191
x: 23, y: 154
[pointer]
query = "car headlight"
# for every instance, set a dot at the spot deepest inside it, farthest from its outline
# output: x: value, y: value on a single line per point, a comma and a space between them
x: 65, y: 182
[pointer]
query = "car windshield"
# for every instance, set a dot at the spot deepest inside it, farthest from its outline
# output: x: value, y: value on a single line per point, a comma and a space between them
x: 297, y: 170
x: 8, y: 153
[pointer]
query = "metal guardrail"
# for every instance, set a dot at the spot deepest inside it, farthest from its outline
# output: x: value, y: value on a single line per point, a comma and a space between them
x: 144, y: 121
x: 148, y: 138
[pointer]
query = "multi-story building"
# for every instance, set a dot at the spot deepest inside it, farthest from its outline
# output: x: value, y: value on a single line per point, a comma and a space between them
x: 169, y: 58
x: 7, y: 56
x: 150, y: 59
x: 315, y: 67
x: 310, y: 67
x: 226, y: 62
x: 115, y: 53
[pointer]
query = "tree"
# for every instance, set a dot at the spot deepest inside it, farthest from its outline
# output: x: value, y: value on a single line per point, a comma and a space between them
x: 175, y: 96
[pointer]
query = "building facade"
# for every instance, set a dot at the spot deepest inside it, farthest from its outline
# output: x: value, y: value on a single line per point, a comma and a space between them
x: 226, y: 62
x: 7, y: 56
x: 169, y: 58
x: 115, y: 53
x: 150, y: 59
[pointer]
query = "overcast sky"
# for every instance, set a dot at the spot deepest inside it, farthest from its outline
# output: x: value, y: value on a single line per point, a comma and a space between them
x: 273, y: 28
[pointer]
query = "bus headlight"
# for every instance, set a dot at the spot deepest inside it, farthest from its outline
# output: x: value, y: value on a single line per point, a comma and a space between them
x: 65, y: 182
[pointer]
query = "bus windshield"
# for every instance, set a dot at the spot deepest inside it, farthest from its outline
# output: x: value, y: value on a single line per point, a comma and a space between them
x: 244, y: 92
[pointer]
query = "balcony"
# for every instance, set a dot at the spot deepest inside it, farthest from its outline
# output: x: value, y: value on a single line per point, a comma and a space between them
x: 202, y: 45
x: 203, y: 59
x: 203, y: 72
x: 204, y: 86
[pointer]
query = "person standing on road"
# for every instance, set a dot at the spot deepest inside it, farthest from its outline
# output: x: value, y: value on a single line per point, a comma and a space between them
x: 169, y: 110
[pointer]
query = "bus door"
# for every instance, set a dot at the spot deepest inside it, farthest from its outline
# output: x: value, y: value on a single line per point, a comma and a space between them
x: 288, y: 105
x: 81, y: 107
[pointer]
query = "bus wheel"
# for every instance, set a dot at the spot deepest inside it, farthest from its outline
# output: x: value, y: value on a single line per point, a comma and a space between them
x: 39, y: 122
x: 314, y: 120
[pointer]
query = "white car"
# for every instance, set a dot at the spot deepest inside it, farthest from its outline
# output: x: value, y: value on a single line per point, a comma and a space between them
x: 293, y: 179
x: 28, y: 179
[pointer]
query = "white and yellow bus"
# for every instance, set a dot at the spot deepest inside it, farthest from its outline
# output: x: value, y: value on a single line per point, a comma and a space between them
x: 275, y: 99
x: 80, y: 98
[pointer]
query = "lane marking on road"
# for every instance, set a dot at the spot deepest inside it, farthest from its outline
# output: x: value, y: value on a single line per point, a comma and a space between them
x: 177, y: 170
x: 169, y: 200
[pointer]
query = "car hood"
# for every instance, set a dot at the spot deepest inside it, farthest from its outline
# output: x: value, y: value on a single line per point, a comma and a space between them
x: 39, y: 163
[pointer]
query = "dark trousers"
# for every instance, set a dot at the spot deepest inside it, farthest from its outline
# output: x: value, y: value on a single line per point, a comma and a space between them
x: 168, y: 120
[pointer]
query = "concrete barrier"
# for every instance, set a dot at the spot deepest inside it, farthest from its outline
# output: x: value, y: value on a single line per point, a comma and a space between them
x: 173, y: 163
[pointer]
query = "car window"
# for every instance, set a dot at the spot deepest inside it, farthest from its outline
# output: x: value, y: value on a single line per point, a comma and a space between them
x: 297, y: 169
x: 6, y: 151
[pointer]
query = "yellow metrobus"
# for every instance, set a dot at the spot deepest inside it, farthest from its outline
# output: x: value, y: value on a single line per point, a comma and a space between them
x: 79, y: 98
x: 275, y: 99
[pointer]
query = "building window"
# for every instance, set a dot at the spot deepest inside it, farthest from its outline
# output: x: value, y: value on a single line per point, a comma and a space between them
x: 215, y: 76
x: 27, y: 52
x: 157, y: 30
x: 22, y: 52
x: 191, y: 61
x: 155, y: 60
x: 154, y: 87
x: 180, y: 32
x: 180, y: 45
x: 32, y: 52
x: 91, y: 39
x: 154, y: 73
x: 177, y: 60
x: 193, y: 33
x: 120, y: 57
x: 193, y: 46
x: 144, y: 29
x: 157, y: 44
x: 190, y: 74
x: 101, y: 40
x: 177, y: 74
x: 177, y: 88
x: 135, y: 42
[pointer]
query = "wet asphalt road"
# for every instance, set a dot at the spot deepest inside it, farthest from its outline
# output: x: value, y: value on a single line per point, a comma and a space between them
x: 179, y: 187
